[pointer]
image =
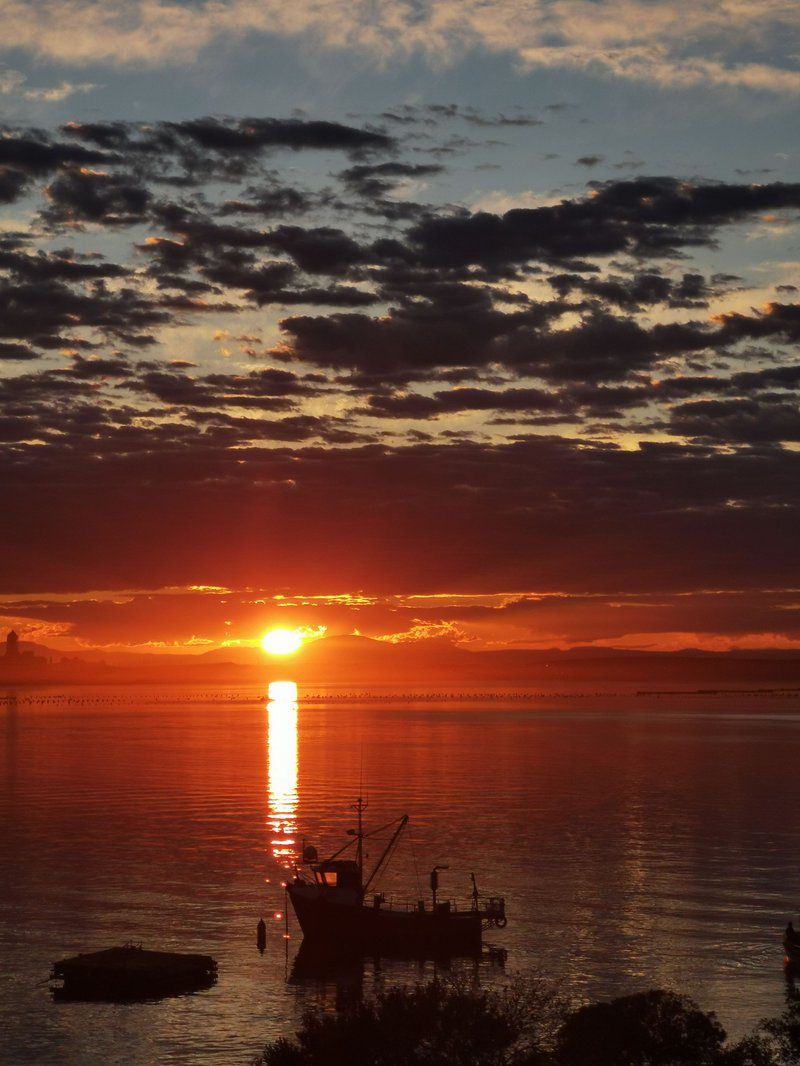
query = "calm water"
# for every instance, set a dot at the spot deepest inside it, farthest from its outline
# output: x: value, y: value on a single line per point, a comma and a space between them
x: 639, y: 841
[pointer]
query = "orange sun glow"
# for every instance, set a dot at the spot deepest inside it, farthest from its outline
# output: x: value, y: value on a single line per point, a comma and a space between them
x: 281, y: 641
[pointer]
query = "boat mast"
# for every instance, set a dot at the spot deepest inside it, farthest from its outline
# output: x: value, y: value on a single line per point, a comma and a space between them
x: 360, y: 806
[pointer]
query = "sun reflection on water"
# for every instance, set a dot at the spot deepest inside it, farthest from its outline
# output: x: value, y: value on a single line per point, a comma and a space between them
x: 282, y: 770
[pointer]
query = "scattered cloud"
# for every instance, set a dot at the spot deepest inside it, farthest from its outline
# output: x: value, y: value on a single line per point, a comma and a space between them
x: 575, y: 394
x: 668, y: 42
x: 13, y: 82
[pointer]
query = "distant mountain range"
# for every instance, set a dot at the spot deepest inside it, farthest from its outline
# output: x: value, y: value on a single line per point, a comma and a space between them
x: 356, y: 660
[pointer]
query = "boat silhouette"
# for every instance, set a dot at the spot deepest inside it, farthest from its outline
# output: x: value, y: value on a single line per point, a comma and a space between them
x: 791, y: 948
x: 335, y: 907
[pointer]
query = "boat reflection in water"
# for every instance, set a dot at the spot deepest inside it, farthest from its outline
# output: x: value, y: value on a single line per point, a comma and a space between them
x: 341, y: 977
x: 282, y: 771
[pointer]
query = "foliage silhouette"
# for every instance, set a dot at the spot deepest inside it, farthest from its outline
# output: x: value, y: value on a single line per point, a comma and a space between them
x: 655, y: 1028
x: 774, y: 1041
x: 529, y: 1024
x: 438, y: 1024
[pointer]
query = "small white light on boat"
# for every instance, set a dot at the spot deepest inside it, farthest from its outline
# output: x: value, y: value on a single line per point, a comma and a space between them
x: 283, y: 691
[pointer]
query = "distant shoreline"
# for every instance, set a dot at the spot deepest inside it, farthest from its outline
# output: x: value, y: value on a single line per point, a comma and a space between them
x: 361, y: 696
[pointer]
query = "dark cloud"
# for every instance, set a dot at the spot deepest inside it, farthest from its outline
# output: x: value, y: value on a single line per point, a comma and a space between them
x: 461, y: 326
x: 376, y: 180
x: 463, y: 399
x: 94, y: 367
x: 775, y: 321
x: 12, y: 184
x: 320, y: 296
x: 110, y: 136
x: 199, y: 231
x: 457, y: 325
x: 318, y: 250
x: 222, y: 250
x: 224, y: 256
x: 737, y: 420
x: 270, y: 201
x: 475, y: 117
x: 12, y: 350
x: 641, y: 289
x: 60, y: 265
x: 83, y: 195
x: 433, y: 114
x: 542, y: 513
x: 267, y: 388
x: 181, y: 153
x: 599, y: 617
x: 773, y: 377
x: 27, y: 154
x: 256, y: 134
x: 50, y: 314
x: 427, y: 274
x: 237, y: 430
x: 643, y: 216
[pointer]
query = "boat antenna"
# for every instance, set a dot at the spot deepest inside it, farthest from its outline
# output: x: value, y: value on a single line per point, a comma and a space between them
x: 359, y: 807
x: 361, y: 773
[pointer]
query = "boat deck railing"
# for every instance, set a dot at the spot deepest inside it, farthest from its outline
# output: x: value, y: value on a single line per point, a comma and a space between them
x: 486, y: 906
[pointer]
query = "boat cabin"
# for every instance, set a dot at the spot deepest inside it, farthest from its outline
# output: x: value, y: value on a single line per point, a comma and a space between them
x: 337, y: 873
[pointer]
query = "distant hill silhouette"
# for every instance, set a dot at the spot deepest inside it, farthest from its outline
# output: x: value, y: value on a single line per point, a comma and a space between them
x: 357, y: 660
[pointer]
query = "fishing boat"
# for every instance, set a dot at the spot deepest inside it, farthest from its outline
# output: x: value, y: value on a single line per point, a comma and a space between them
x: 337, y: 905
x: 791, y: 947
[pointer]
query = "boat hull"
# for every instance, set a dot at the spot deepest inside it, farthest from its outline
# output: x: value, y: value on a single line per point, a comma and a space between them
x: 352, y: 925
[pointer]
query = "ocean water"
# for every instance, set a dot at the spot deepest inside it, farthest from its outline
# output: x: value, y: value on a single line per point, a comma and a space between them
x: 640, y: 840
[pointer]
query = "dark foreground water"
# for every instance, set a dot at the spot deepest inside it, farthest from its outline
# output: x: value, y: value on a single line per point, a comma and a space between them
x: 639, y: 840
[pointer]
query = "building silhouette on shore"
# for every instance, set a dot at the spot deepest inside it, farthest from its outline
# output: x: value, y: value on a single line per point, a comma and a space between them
x: 15, y: 659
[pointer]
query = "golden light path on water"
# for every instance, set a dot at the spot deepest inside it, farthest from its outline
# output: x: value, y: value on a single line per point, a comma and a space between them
x: 282, y: 770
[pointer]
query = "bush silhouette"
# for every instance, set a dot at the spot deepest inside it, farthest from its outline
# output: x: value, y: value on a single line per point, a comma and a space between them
x: 438, y: 1024
x: 654, y: 1028
x: 529, y: 1024
x: 774, y: 1042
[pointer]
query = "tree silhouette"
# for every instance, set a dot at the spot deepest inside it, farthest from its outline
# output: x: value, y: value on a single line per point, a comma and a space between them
x: 438, y: 1024
x: 655, y: 1028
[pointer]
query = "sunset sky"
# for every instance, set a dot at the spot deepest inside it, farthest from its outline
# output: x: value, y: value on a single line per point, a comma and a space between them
x: 434, y: 319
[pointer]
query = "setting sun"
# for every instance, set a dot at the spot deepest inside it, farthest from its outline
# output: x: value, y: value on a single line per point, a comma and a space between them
x: 281, y: 641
